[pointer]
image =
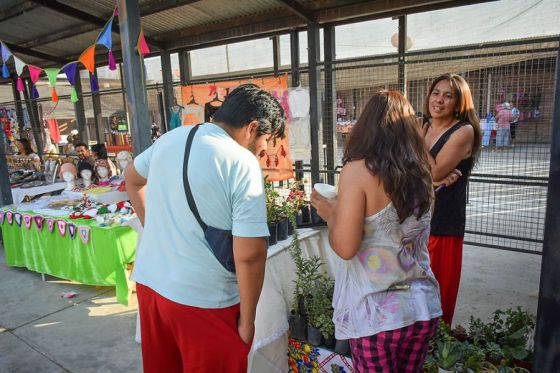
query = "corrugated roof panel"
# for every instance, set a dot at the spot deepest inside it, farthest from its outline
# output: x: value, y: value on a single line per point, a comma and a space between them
x: 34, y: 24
x: 74, y: 46
x: 204, y: 12
x: 99, y: 8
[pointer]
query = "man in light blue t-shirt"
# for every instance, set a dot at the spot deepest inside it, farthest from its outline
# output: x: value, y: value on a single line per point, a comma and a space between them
x: 195, y: 315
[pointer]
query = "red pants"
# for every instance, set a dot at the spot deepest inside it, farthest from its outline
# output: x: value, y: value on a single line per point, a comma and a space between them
x: 446, y: 257
x: 179, y: 338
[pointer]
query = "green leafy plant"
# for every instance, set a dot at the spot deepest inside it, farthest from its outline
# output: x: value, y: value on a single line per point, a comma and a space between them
x: 295, y: 199
x: 307, y: 273
x: 274, y: 210
x: 319, y: 305
x: 448, y: 354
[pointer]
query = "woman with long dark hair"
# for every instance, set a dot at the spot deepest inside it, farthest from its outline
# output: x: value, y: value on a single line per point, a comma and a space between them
x: 386, y: 299
x: 24, y: 149
x: 453, y: 137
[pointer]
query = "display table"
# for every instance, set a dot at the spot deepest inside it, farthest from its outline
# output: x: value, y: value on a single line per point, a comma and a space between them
x: 18, y: 194
x: 270, y: 344
x: 98, y: 259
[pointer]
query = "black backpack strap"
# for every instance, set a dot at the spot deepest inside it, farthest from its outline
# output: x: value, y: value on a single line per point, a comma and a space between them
x: 190, y: 198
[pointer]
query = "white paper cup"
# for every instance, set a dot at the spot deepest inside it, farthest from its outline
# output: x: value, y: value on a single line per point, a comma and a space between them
x: 326, y: 190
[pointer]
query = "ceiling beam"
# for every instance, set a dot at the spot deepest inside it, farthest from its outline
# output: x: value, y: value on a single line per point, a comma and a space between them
x: 245, y: 27
x: 298, y: 9
x: 161, y: 6
x: 17, y: 10
x: 86, y: 17
x: 34, y: 53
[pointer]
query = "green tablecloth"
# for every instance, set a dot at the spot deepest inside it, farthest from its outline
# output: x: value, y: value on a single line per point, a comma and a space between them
x: 102, y: 261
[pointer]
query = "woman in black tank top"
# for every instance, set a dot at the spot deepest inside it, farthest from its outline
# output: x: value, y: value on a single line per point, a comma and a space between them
x: 453, y: 136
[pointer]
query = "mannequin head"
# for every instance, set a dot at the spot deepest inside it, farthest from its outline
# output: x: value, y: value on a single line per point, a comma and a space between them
x: 68, y: 176
x: 86, y: 175
x: 68, y: 168
x: 102, y: 169
x: 124, y: 158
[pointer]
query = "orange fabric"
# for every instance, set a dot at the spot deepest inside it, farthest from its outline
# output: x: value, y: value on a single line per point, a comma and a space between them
x: 179, y: 338
x: 446, y: 258
x: 276, y: 162
x: 88, y: 58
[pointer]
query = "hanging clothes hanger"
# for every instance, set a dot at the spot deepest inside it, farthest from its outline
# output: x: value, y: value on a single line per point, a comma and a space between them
x: 192, y: 101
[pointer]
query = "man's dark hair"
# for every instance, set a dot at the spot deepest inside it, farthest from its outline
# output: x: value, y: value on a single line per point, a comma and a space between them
x: 81, y: 144
x: 247, y: 103
x: 100, y: 149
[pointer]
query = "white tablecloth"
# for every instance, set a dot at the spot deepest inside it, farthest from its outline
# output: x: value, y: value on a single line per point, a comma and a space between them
x: 18, y: 194
x: 270, y: 345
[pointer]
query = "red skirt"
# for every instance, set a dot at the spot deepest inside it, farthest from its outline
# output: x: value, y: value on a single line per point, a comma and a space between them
x: 446, y: 257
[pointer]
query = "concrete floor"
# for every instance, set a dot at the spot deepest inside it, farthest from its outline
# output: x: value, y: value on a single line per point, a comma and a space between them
x: 42, y: 332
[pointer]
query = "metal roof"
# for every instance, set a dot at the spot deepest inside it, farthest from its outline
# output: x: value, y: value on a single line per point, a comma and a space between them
x: 51, y: 32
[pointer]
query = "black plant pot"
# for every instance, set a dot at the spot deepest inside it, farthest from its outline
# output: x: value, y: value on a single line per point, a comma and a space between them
x: 342, y: 347
x: 305, y: 215
x: 315, y: 218
x: 282, y: 230
x: 301, y: 306
x: 290, y: 228
x: 314, y: 336
x: 298, y: 327
x: 272, y: 229
x: 330, y: 342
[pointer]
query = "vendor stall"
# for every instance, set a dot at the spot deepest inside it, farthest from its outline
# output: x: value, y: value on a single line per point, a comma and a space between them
x: 78, y: 250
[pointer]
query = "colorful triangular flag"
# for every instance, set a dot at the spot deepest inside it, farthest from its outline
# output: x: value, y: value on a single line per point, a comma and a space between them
x: 19, y: 85
x: 143, y: 48
x: 5, y: 71
x: 70, y: 71
x: 19, y: 65
x: 73, y: 95
x: 112, y: 63
x: 34, y: 92
x: 88, y: 58
x: 52, y: 73
x: 6, y: 53
x: 93, y: 83
x: 34, y: 73
x: 106, y: 36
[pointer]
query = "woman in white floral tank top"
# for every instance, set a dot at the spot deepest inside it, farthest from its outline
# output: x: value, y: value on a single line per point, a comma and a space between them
x: 386, y: 299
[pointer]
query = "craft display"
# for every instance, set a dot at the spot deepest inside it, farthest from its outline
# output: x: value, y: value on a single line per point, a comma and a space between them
x: 303, y: 357
x: 124, y: 158
x: 27, y: 220
x: 85, y: 170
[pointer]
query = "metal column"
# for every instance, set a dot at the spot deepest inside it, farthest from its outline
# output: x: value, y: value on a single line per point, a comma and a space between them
x: 314, y: 95
x: 19, y: 108
x: 294, y: 57
x: 83, y: 130
x: 97, y: 115
x: 138, y: 116
x: 276, y: 53
x: 33, y: 116
x: 185, y: 71
x: 329, y: 110
x: 402, y: 50
x: 5, y: 188
x: 547, y: 333
x: 168, y: 94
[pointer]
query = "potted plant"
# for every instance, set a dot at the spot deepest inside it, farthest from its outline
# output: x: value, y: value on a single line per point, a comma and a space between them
x: 307, y: 272
x: 273, y: 211
x: 293, y: 205
x: 320, y: 311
